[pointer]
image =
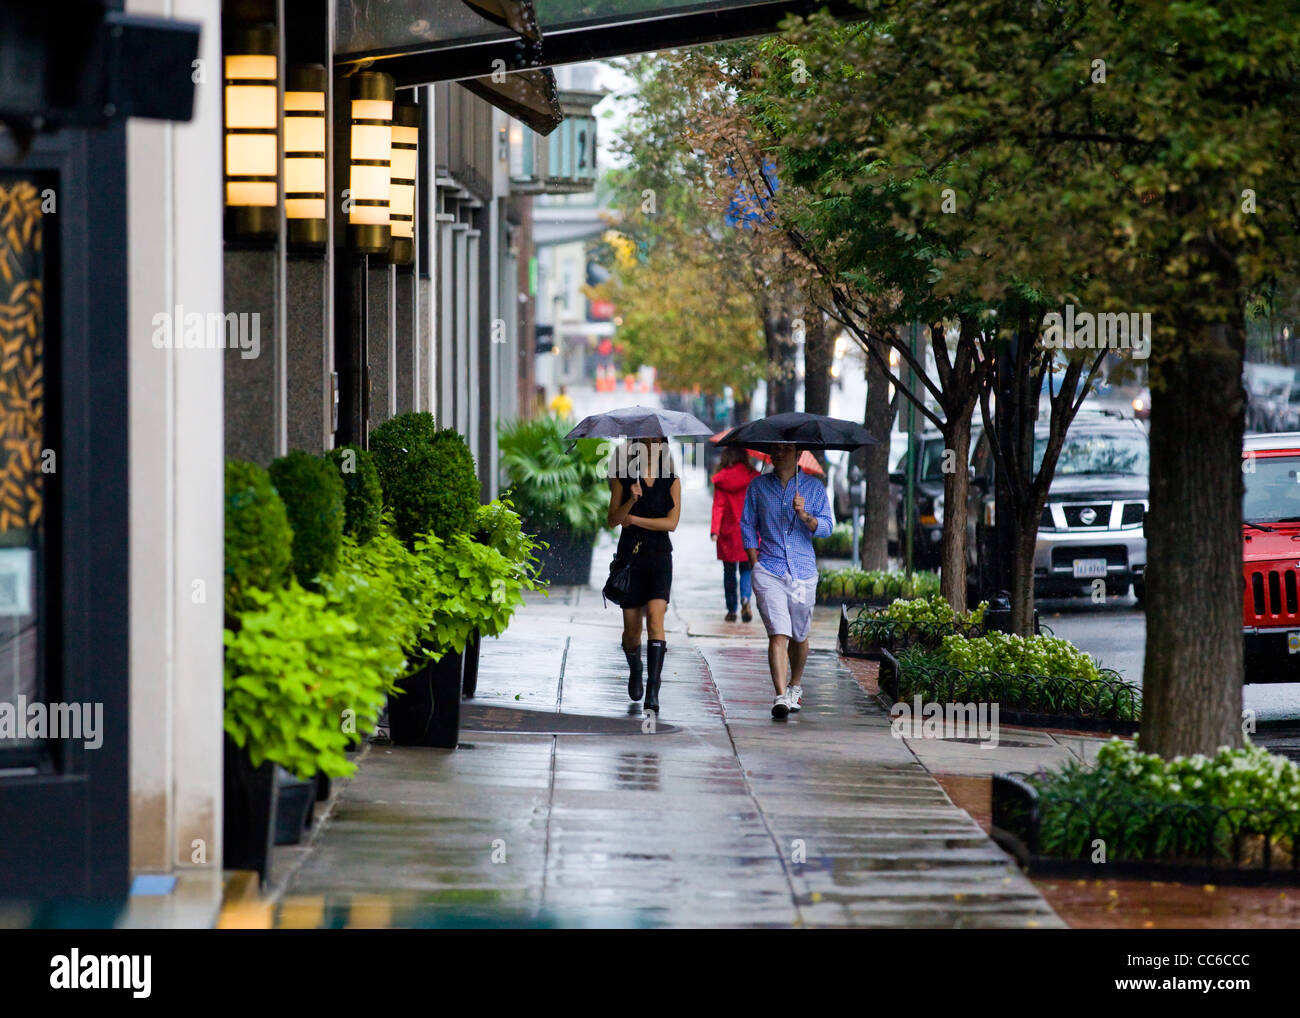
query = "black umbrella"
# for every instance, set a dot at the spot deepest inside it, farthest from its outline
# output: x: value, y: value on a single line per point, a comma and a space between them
x: 811, y: 431
x: 640, y: 422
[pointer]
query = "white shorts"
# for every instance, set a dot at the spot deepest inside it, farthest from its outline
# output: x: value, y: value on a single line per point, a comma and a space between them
x: 785, y: 604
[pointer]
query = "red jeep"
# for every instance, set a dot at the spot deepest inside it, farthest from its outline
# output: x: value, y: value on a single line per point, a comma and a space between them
x: 1270, y: 513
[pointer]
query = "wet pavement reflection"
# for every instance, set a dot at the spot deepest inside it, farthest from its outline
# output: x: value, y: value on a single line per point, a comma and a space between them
x: 575, y: 808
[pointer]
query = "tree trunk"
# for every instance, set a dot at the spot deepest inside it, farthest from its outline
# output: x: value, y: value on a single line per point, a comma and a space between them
x: 1191, y: 697
x: 818, y: 352
x: 743, y: 404
x: 1022, y: 577
x: 874, y: 461
x: 780, y: 360
x: 956, y: 484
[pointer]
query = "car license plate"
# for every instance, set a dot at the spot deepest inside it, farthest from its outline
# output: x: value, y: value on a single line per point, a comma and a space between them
x: 1293, y: 641
x: 1087, y: 568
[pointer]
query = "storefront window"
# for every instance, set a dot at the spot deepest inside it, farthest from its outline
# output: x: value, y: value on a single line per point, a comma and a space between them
x: 24, y: 461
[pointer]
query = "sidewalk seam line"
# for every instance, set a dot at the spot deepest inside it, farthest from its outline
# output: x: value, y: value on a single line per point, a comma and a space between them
x: 749, y: 790
x: 550, y: 786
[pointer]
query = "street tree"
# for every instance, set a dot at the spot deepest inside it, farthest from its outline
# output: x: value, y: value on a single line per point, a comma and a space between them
x: 1136, y: 158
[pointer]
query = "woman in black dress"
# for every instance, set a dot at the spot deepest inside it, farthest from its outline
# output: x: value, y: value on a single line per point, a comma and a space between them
x: 645, y: 497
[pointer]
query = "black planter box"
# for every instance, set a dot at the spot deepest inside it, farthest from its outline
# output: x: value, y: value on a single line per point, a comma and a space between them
x: 294, y: 802
x: 1017, y: 828
x: 248, y: 826
x: 567, y: 560
x: 426, y: 710
x: 469, y: 679
x: 1011, y: 712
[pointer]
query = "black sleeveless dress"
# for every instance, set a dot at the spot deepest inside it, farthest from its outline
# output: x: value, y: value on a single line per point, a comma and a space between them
x: 652, y: 565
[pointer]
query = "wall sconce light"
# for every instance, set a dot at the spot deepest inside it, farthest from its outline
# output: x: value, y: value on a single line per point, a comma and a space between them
x: 406, y: 158
x: 369, y: 181
x: 304, y: 155
x: 252, y: 143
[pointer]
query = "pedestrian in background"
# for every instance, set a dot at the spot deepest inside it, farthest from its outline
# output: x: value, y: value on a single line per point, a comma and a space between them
x: 780, y: 518
x: 729, y: 486
x: 562, y: 404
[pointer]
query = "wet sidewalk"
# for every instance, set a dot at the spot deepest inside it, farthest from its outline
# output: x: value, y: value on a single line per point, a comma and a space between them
x: 564, y: 806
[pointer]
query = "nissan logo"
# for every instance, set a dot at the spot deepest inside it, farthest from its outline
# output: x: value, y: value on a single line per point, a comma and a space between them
x: 1088, y: 516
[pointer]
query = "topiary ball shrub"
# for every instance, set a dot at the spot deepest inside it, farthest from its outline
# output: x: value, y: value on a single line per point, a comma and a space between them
x: 397, y: 436
x: 258, y: 536
x: 313, y: 496
x: 363, y: 498
x: 430, y: 485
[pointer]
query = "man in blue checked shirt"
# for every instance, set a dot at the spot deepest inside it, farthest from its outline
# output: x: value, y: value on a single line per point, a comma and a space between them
x: 783, y: 512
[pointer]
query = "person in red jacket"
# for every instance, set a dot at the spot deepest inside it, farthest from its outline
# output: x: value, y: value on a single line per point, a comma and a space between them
x: 729, y: 486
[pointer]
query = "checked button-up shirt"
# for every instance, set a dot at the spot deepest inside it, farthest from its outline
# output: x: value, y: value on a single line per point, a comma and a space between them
x: 770, y: 524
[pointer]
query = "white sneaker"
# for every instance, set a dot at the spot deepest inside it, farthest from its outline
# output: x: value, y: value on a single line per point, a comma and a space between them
x: 794, y: 697
x: 780, y: 707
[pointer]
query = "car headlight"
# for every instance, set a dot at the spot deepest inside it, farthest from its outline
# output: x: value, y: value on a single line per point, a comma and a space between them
x: 938, y: 509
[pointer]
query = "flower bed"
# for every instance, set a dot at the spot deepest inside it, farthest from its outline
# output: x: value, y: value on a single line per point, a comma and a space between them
x: 907, y: 623
x: 1233, y: 817
x: 874, y: 587
x: 837, y: 544
x: 1039, y: 680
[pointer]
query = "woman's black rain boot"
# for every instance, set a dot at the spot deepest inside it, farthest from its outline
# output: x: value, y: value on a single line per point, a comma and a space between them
x: 654, y: 655
x: 634, y: 690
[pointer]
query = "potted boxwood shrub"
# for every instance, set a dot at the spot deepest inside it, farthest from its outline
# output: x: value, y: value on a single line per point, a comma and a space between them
x: 313, y: 495
x: 258, y: 543
x: 562, y: 495
x: 363, y: 497
x: 431, y: 489
x: 500, y: 565
x: 363, y: 505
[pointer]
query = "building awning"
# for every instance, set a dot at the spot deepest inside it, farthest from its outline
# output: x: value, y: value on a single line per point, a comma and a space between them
x: 516, y: 15
x: 424, y: 41
x: 528, y: 96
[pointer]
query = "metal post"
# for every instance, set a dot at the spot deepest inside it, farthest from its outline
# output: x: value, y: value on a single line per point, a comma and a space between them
x: 909, y: 500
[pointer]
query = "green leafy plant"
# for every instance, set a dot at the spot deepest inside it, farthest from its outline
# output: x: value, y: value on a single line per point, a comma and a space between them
x: 1010, y: 653
x: 921, y: 621
x: 313, y: 497
x: 385, y: 586
x: 1041, y: 674
x: 363, y: 497
x: 838, y: 544
x: 854, y: 583
x: 428, y: 476
x: 552, y: 487
x: 258, y: 538
x: 301, y: 679
x: 1143, y: 806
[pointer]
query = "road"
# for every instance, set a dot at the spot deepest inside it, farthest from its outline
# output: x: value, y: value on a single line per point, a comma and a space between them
x: 1115, y: 634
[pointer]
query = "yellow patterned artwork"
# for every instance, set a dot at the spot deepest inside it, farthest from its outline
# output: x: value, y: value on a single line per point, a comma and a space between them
x: 22, y: 340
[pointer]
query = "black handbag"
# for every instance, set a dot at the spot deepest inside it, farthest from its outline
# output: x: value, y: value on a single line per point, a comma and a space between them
x: 618, y: 588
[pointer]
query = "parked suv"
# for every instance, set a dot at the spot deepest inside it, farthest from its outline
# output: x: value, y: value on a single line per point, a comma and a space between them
x: 1270, y: 513
x: 1091, y: 527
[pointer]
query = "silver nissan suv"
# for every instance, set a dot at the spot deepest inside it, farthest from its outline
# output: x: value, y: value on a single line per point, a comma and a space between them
x: 1091, y: 527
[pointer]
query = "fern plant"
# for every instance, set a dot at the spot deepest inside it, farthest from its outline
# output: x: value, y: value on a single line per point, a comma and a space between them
x: 551, y: 486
